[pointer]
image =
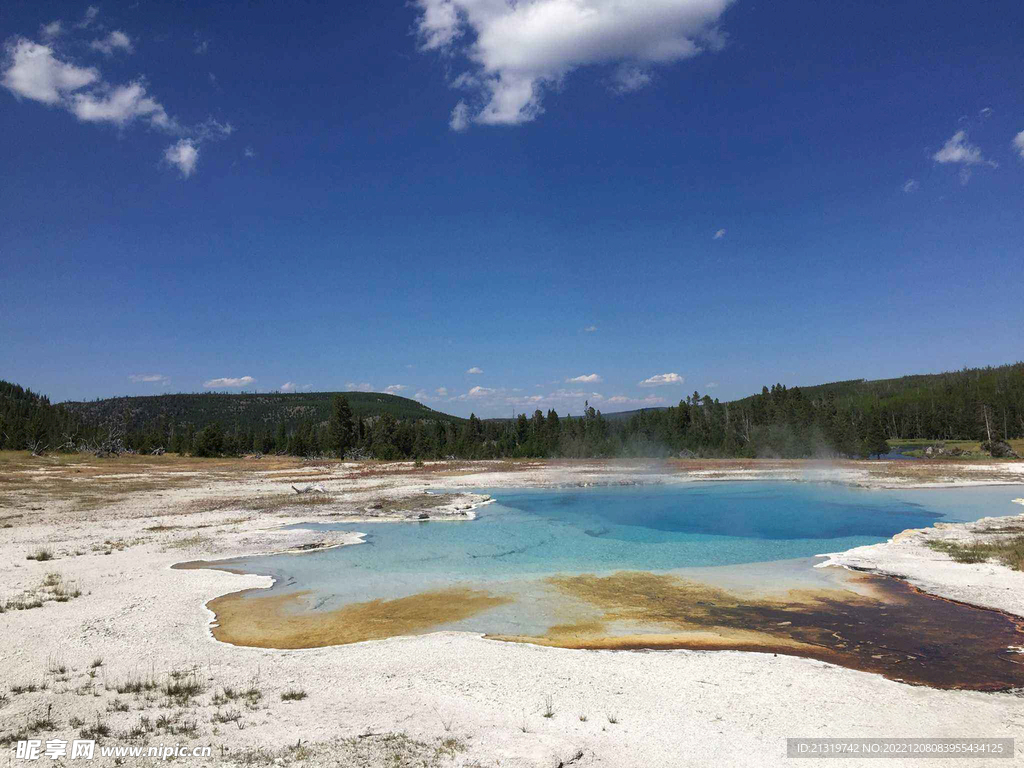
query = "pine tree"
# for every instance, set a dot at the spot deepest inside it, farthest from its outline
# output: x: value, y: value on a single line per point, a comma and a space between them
x: 875, y: 443
x: 340, y: 432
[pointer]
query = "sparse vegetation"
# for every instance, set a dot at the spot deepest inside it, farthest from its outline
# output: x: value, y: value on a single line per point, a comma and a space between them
x: 42, y: 555
x: 183, y: 685
x: 19, y: 688
x: 136, y: 685
x: 226, y: 716
x: 44, y: 723
x: 293, y: 694
x: 549, y: 707
x: 1007, y: 550
x: 117, y: 705
x: 53, y: 588
x: 96, y: 731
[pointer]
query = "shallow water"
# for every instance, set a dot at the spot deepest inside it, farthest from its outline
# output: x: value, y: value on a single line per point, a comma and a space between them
x: 741, y: 546
x: 531, y: 533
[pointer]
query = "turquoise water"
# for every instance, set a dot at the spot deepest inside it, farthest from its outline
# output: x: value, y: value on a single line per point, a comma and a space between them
x: 764, y: 533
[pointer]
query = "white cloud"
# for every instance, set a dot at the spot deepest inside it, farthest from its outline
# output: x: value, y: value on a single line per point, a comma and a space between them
x: 394, y: 389
x: 183, y: 155
x: 711, y: 385
x: 115, y: 41
x: 442, y: 391
x: 120, y: 105
x: 474, y: 371
x: 629, y: 78
x: 250, y: 152
x: 52, y: 30
x: 959, y: 150
x: 229, y: 383
x: 288, y: 386
x: 357, y: 386
x: 637, y: 402
x: 590, y: 378
x: 590, y: 329
x: 1018, y: 144
x: 149, y: 378
x: 518, y: 50
x: 662, y: 379
x: 718, y: 235
x: 202, y: 47
x: 498, y: 401
x: 33, y: 72
x: 910, y: 185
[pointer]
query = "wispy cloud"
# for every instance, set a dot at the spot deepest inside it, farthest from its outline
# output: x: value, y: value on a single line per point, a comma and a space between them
x: 460, y: 118
x: 711, y: 385
x: 718, y: 235
x: 629, y: 78
x: 229, y: 383
x: 52, y: 30
x: 662, y: 380
x: 89, y: 17
x: 359, y: 386
x: 1018, y: 144
x: 589, y: 378
x: 518, y: 51
x: 590, y: 329
x: 474, y: 371
x: 149, y: 378
x: 394, y: 389
x: 112, y: 43
x: 441, y: 391
x: 959, y: 150
x: 910, y: 185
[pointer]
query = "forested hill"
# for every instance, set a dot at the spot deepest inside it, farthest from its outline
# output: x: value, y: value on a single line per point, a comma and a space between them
x: 29, y: 421
x: 249, y: 411
x: 848, y: 418
x: 950, y: 405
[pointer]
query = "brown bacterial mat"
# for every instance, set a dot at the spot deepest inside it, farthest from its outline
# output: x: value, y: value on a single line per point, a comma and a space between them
x: 894, y: 630
x: 898, y: 632
x: 279, y: 621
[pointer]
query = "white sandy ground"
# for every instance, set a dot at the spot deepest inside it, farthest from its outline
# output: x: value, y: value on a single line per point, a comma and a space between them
x: 673, y: 708
x: 908, y: 556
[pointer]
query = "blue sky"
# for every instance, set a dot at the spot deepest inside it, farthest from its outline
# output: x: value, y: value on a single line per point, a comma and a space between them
x: 660, y: 197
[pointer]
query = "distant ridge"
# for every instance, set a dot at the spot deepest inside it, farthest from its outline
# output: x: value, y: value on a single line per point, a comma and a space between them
x: 249, y: 410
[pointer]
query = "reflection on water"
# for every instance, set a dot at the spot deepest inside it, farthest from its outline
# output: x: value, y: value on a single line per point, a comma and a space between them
x: 713, y: 565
